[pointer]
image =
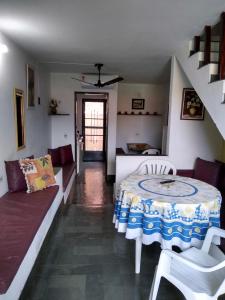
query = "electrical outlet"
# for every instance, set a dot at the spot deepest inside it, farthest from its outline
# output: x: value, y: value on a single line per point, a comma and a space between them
x: 1, y: 178
x: 65, y: 136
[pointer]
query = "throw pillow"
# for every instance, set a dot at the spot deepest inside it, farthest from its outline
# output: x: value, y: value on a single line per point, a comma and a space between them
x: 38, y: 173
x: 66, y: 154
x: 55, y: 156
x: 15, y: 177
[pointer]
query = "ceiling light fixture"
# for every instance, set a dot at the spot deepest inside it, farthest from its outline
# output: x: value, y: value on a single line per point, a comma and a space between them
x: 3, y: 48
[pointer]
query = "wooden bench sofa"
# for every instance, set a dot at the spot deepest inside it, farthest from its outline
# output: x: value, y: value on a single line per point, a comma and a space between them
x: 63, y: 157
x: 25, y: 220
x: 212, y: 173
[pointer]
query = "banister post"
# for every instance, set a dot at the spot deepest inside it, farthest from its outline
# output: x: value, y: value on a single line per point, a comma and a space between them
x: 222, y: 48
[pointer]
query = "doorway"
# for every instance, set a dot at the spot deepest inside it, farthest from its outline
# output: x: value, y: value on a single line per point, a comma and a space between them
x: 94, y: 128
x: 91, y: 115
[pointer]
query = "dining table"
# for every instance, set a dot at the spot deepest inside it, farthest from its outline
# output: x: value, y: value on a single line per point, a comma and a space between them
x: 169, y: 209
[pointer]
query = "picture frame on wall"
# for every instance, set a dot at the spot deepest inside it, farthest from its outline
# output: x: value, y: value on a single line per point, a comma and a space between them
x: 30, y: 87
x: 192, y: 107
x: 138, y: 103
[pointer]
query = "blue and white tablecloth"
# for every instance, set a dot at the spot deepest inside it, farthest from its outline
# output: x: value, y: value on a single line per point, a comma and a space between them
x: 177, y: 213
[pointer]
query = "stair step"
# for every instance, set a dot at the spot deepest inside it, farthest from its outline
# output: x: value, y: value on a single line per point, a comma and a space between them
x: 192, y: 52
x: 214, y: 77
x: 223, y: 100
x: 202, y: 63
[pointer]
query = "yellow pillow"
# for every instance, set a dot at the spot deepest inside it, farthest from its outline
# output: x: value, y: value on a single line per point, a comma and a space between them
x: 38, y: 173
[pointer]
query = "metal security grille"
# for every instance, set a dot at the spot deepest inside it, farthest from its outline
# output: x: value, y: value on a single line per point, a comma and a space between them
x: 94, y: 126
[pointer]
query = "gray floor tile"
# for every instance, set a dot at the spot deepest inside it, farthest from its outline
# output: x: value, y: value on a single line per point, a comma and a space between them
x: 85, y: 258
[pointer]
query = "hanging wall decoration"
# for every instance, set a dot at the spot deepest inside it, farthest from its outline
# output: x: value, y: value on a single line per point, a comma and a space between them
x: 19, y: 118
x: 138, y: 103
x: 192, y: 106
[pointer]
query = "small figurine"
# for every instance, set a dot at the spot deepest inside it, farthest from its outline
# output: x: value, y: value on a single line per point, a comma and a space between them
x: 53, y: 104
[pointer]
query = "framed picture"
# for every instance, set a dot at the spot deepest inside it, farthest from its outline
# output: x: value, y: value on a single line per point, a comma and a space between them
x: 192, y: 107
x: 30, y: 87
x: 19, y: 118
x: 138, y: 103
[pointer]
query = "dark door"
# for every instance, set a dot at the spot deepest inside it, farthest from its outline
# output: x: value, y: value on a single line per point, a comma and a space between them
x: 94, y: 126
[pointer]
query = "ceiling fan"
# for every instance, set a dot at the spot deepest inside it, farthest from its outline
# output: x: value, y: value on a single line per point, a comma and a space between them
x: 99, y: 83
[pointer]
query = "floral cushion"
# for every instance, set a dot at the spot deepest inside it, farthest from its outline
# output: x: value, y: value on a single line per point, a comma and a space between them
x: 38, y: 173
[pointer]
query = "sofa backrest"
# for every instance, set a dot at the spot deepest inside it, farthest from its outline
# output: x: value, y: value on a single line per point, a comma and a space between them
x: 207, y: 171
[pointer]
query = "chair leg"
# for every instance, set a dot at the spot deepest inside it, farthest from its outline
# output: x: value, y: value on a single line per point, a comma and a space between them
x: 155, y: 285
x: 138, y: 248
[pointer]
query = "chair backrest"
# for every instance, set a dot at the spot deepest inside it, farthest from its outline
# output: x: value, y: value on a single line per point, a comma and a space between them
x: 155, y: 166
x: 151, y: 151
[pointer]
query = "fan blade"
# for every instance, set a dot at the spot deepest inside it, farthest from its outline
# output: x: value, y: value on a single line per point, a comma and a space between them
x: 83, y: 81
x: 115, y: 80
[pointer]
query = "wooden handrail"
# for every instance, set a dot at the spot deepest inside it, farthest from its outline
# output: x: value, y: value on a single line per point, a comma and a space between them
x: 207, y: 51
x: 222, y: 48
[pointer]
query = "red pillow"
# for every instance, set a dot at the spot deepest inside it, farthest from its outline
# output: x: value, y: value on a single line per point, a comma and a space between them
x: 15, y: 177
x: 66, y: 155
x: 55, y: 156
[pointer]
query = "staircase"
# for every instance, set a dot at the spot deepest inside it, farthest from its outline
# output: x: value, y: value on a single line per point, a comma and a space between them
x: 203, y: 61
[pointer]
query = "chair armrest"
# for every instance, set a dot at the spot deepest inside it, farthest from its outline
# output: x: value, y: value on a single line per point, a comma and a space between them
x: 191, y: 264
x: 212, y: 231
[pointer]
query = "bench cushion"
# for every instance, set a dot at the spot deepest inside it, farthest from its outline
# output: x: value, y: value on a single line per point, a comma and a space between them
x: 67, y: 173
x: 55, y: 155
x: 15, y: 177
x: 66, y: 155
x: 207, y: 171
x: 21, y: 215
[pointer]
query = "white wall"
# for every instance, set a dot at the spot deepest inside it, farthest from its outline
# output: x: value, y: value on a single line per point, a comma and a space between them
x: 13, y: 75
x: 189, y: 139
x: 142, y: 129
x: 63, y: 88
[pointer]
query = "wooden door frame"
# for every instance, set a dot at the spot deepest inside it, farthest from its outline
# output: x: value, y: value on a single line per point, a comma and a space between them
x: 106, y: 95
x: 104, y: 120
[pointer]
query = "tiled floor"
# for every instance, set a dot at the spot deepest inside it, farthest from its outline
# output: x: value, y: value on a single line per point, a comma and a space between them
x: 85, y: 258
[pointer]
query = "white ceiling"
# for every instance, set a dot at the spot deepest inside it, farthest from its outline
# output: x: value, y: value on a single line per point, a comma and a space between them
x: 133, y: 38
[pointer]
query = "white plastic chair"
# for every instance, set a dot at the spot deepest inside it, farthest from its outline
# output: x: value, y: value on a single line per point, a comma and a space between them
x: 198, y: 273
x: 151, y: 151
x: 155, y: 166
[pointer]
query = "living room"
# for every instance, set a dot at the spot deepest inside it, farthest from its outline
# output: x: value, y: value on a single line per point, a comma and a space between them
x: 61, y: 43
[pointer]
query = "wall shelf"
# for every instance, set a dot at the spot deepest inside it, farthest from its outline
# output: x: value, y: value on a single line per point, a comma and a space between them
x: 129, y: 114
